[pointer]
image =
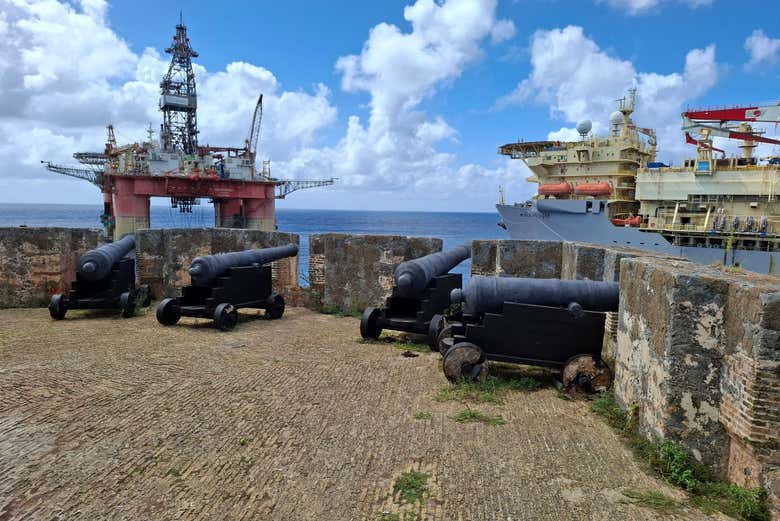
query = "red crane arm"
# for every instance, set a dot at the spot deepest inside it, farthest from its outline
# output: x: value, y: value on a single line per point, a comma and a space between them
x: 769, y: 113
x: 693, y: 141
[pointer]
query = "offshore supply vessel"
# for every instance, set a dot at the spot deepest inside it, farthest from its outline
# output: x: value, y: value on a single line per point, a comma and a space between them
x: 611, y: 190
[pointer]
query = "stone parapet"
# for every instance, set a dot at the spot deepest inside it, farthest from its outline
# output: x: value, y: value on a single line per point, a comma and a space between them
x: 163, y: 256
x: 698, y: 355
x: 347, y: 273
x: 38, y: 262
x: 534, y: 259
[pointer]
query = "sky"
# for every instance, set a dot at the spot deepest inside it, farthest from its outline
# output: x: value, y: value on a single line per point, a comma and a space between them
x: 405, y: 102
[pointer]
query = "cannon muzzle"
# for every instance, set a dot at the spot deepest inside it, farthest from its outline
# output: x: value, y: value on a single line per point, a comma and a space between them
x: 412, y: 276
x: 488, y: 294
x: 204, y: 269
x: 96, y: 264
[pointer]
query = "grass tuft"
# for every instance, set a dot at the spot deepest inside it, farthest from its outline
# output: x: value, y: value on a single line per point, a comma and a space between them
x: 472, y: 416
x: 423, y: 416
x: 490, y: 390
x: 652, y: 499
x: 410, y: 487
x: 678, y: 467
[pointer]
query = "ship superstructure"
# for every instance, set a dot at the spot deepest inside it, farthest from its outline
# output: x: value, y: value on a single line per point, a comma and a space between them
x: 594, y: 166
x: 178, y: 167
x: 611, y: 190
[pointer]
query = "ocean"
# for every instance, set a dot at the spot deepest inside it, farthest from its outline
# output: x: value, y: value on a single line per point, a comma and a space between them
x: 454, y: 228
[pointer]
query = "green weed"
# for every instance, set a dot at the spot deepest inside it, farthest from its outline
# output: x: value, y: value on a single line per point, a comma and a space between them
x: 472, y: 416
x: 490, y: 390
x: 423, y: 416
x: 410, y: 487
x: 652, y: 499
x: 674, y: 463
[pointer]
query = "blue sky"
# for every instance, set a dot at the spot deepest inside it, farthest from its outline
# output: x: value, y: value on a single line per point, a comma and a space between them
x: 298, y: 44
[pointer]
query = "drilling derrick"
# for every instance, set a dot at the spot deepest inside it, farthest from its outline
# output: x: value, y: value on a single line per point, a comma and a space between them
x: 178, y: 99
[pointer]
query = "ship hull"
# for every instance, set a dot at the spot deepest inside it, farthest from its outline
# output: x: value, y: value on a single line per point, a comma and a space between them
x: 587, y: 221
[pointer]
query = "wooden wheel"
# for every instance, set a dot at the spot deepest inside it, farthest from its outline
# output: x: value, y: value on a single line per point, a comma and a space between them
x: 127, y: 304
x: 275, y: 307
x: 434, y: 328
x: 369, y: 327
x: 445, y: 341
x: 168, y: 312
x: 58, y: 306
x: 586, y: 374
x: 225, y: 316
x: 466, y: 361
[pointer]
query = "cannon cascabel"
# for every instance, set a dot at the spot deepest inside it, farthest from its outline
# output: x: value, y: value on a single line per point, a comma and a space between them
x: 204, y: 269
x: 96, y: 264
x: 488, y: 294
x: 412, y: 276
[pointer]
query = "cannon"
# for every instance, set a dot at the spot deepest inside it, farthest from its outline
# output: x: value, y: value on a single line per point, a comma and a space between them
x: 541, y: 322
x: 105, y: 279
x: 420, y: 296
x: 221, y: 284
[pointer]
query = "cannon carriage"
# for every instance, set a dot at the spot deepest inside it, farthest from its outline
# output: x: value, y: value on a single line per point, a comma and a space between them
x: 105, y: 279
x: 224, y: 283
x: 420, y: 296
x: 540, y: 322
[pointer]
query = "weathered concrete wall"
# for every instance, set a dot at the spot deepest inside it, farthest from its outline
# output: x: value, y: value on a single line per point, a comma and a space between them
x: 163, y: 256
x: 38, y: 262
x: 698, y: 351
x: 536, y: 259
x: 350, y: 272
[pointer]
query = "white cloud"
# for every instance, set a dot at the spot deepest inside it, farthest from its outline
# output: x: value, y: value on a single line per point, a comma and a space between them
x: 579, y: 80
x: 637, y: 7
x: 398, y: 147
x: 65, y: 74
x: 762, y: 49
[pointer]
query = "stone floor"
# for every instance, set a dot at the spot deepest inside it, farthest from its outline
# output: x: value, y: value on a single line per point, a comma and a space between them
x: 105, y: 418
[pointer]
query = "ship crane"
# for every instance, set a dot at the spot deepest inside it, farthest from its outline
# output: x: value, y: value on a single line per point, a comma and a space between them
x: 696, y: 120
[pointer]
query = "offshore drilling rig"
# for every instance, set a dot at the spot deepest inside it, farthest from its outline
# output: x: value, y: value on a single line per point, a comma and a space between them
x: 178, y: 167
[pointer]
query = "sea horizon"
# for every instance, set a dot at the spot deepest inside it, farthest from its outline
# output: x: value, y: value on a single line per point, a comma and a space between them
x: 454, y: 228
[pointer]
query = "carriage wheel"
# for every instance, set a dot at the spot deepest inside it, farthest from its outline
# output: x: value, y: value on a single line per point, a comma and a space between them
x: 445, y: 341
x: 127, y: 305
x: 275, y: 307
x: 58, y: 306
x: 466, y: 361
x: 586, y: 374
x: 225, y: 316
x: 168, y: 312
x: 369, y: 329
x: 434, y: 328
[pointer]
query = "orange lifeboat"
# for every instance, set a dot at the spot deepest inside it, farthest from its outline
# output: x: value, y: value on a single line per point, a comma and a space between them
x: 593, y: 189
x: 628, y: 221
x: 562, y: 188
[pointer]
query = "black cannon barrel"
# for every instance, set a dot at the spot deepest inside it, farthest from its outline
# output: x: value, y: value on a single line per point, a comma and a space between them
x: 96, y: 264
x: 412, y: 276
x: 487, y: 294
x: 205, y: 269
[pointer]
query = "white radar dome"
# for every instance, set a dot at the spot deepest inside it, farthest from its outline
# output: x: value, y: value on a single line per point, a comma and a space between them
x: 583, y: 127
x: 616, y: 118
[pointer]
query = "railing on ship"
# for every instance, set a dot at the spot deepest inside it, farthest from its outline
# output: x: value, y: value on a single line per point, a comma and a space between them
x: 731, y: 224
